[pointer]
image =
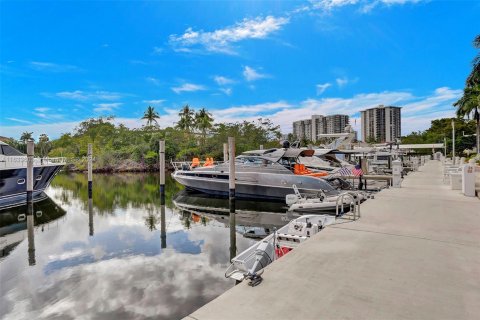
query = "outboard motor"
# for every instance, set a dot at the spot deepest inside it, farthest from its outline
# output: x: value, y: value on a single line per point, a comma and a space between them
x: 286, y: 144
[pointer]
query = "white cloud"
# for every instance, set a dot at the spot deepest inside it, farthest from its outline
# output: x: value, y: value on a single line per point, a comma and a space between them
x: 53, y: 67
x: 417, y: 111
x: 221, y: 81
x: 233, y: 113
x: 53, y: 130
x: 19, y: 120
x: 330, y: 4
x: 157, y: 50
x: 188, y: 87
x: 153, y: 80
x: 227, y: 91
x: 366, y: 5
x: 251, y: 74
x: 322, y: 87
x: 86, y: 96
x: 42, y: 109
x: 154, y: 102
x: 221, y: 40
x: 343, y: 81
x: 102, y: 107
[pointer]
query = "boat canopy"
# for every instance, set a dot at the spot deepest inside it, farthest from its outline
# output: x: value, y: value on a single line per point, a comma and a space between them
x: 260, y: 152
x: 294, y: 153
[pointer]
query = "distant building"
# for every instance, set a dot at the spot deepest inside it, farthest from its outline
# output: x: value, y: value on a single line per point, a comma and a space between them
x: 381, y: 124
x: 309, y: 129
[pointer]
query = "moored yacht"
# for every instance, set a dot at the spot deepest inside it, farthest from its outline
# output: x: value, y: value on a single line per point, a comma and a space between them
x: 13, y: 175
x: 266, y: 174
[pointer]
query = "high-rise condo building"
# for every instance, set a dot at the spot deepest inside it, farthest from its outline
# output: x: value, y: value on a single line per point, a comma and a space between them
x: 310, y: 128
x: 381, y: 124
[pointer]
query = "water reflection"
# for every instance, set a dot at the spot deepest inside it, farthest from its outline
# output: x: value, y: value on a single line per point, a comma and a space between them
x: 31, y: 240
x: 163, y: 228
x: 90, y: 217
x: 116, y: 247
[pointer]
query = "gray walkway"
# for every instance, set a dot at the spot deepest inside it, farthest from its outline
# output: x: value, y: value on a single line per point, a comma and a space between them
x: 414, y: 254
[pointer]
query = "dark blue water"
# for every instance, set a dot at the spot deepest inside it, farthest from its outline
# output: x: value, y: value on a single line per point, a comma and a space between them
x: 124, y: 257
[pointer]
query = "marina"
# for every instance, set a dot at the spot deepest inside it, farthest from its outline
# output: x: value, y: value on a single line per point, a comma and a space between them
x: 216, y: 160
x: 414, y: 254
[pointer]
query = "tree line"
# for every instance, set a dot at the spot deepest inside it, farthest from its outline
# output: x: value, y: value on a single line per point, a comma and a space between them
x: 119, y: 148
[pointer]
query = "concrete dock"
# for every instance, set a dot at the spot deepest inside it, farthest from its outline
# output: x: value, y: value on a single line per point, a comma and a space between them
x: 414, y: 254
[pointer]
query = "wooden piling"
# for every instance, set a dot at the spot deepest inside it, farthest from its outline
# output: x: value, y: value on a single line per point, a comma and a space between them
x: 90, y: 169
x: 30, y: 179
x: 30, y: 218
x: 225, y: 152
x: 161, y: 151
x: 231, y: 167
x: 453, y: 141
x: 231, y: 187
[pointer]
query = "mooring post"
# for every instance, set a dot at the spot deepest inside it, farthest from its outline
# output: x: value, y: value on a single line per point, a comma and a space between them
x: 225, y: 152
x: 453, y: 141
x: 231, y: 169
x: 89, y: 167
x: 161, y: 150
x: 231, y: 186
x: 30, y: 151
x: 30, y: 218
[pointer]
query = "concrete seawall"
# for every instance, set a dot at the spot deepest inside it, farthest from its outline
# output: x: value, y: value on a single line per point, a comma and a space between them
x: 414, y: 254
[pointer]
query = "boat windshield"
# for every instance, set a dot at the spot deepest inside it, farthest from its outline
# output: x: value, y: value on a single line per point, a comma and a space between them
x: 6, y: 150
x: 255, y: 161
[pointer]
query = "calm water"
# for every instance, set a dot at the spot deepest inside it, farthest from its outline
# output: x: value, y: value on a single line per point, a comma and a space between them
x: 123, y: 256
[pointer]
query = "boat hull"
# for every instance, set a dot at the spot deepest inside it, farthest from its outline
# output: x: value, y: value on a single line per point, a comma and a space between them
x: 13, y: 192
x: 254, y: 185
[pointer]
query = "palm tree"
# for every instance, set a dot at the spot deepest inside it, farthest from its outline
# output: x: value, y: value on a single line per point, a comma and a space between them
x: 203, y: 121
x: 26, y: 136
x: 469, y: 104
x: 474, y: 77
x: 151, y: 116
x: 187, y: 121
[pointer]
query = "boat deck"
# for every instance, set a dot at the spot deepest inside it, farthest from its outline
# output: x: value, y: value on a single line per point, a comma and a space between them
x: 414, y: 254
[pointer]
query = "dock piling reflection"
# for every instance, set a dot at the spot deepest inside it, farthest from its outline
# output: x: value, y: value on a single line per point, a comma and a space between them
x: 31, y: 236
x: 90, y: 217
x: 161, y: 151
x: 163, y: 229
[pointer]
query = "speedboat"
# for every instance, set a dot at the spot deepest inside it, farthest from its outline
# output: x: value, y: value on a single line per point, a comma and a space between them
x: 13, y: 173
x: 338, y: 204
x: 250, y: 263
x: 265, y: 174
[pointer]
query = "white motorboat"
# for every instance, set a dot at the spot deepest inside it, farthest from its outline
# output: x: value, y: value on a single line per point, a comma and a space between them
x: 250, y: 263
x: 13, y: 173
x: 337, y: 204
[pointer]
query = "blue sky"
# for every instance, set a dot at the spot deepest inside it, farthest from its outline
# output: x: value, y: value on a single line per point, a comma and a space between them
x: 62, y: 62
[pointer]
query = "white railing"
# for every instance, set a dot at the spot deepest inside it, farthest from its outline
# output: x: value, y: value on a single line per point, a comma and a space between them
x: 7, y: 162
